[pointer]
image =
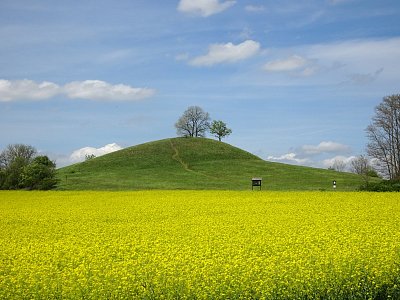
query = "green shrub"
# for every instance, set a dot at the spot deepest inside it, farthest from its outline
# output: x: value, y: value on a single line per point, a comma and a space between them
x: 39, y: 175
x: 382, y: 186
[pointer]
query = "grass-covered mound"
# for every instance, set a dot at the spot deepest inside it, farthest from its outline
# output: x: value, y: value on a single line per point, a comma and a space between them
x: 194, y: 163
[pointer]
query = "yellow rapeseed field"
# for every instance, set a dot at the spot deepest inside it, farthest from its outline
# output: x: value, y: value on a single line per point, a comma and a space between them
x: 199, y: 245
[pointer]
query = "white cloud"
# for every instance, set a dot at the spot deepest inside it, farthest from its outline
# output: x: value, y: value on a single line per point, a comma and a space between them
x: 316, y: 155
x: 363, y: 61
x: 325, y: 147
x: 292, y: 63
x: 346, y: 160
x: 289, y: 158
x: 27, y: 90
x: 227, y: 53
x: 354, y: 62
x: 80, y: 154
x: 88, y: 89
x: 204, y: 8
x: 100, y: 90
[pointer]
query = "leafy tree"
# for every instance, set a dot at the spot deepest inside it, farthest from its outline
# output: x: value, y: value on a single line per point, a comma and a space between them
x: 40, y: 174
x: 13, y: 173
x: 2, y: 177
x: 193, y: 123
x: 219, y: 129
x: 384, y: 137
x: 12, y: 162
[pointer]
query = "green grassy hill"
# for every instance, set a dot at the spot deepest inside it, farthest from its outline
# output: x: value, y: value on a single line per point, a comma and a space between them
x: 194, y: 163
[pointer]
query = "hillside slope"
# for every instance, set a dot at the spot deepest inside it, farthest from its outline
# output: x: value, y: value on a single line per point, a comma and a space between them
x: 194, y: 163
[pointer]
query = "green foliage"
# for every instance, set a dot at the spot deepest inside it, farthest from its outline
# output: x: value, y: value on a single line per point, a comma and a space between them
x: 39, y: 175
x: 195, y: 163
x: 371, y: 172
x: 219, y: 129
x: 20, y: 169
x: 13, y: 174
x: 12, y: 162
x: 382, y: 186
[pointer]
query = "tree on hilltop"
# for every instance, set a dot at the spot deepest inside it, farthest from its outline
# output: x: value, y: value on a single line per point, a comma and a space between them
x: 219, y: 129
x: 193, y: 123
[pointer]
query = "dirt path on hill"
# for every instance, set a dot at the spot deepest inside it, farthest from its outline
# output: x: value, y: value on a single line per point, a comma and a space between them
x: 178, y: 158
x: 184, y: 165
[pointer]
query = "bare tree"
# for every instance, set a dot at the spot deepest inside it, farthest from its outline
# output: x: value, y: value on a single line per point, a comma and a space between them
x: 25, y: 153
x: 361, y: 166
x: 339, y: 165
x: 384, y: 136
x: 193, y: 123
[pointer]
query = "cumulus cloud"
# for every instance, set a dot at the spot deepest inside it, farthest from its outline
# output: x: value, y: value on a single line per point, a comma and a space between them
x: 347, y: 62
x: 227, y: 53
x: 100, y: 90
x: 290, y: 158
x: 80, y: 154
x: 204, y: 8
x: 290, y: 64
x: 88, y: 89
x: 345, y: 160
x: 321, y: 155
x: 27, y: 90
x: 325, y: 147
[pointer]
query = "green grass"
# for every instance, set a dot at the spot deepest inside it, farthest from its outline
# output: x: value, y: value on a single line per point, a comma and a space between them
x: 195, y: 163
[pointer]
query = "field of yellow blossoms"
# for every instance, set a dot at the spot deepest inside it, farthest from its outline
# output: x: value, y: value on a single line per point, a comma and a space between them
x: 199, y: 245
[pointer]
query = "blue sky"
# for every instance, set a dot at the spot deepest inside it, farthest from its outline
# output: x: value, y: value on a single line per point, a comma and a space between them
x: 296, y: 81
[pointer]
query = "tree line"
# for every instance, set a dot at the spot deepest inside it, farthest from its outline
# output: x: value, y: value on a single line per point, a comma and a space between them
x: 22, y: 168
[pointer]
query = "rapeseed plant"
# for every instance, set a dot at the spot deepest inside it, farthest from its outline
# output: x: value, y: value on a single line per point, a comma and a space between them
x: 199, y: 244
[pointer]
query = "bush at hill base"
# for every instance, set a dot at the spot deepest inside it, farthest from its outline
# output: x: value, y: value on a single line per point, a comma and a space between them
x: 40, y: 174
x: 383, y: 186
